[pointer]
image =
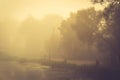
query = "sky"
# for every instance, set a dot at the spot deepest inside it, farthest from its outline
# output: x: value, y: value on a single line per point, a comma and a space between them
x: 20, y: 9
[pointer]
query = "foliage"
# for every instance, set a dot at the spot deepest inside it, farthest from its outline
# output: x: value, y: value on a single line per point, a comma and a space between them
x: 109, y: 37
x: 78, y: 32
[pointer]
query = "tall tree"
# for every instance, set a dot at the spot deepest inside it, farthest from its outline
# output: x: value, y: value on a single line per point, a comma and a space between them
x: 78, y: 32
x: 86, y: 24
x: 109, y: 37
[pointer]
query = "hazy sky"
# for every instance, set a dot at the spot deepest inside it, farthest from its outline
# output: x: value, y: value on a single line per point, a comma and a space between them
x: 20, y: 9
x: 13, y: 10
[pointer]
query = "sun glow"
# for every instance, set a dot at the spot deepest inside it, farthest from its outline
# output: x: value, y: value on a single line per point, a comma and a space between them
x: 40, y: 8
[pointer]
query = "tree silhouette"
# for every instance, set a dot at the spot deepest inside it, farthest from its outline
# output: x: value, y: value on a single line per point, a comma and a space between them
x: 78, y: 32
x: 109, y: 38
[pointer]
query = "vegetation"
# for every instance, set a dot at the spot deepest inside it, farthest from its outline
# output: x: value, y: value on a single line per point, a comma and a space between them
x: 87, y: 35
x: 109, y: 36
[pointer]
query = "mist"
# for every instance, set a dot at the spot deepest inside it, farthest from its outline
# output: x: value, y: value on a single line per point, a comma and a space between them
x: 26, y: 26
x: 28, y: 37
x: 59, y: 40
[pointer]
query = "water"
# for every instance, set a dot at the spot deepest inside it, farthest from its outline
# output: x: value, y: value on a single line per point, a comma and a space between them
x: 32, y: 71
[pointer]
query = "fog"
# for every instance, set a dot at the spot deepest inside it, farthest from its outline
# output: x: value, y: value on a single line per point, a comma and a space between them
x: 59, y: 40
x: 28, y: 37
x: 27, y: 25
x: 20, y: 9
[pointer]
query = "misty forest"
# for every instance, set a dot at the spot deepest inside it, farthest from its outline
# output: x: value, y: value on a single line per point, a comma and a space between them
x: 57, y: 40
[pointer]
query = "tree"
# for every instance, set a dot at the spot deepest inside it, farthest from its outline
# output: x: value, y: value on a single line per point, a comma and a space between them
x: 52, y: 47
x: 105, y: 1
x: 86, y: 24
x: 109, y: 36
x: 78, y: 32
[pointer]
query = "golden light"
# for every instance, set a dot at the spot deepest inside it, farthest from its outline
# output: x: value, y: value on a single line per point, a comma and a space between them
x: 40, y: 8
x: 31, y: 36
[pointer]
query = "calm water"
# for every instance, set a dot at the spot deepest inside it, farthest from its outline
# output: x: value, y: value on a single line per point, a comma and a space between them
x: 30, y: 71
